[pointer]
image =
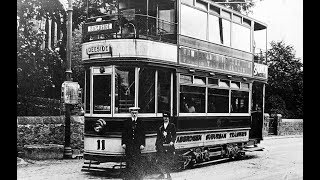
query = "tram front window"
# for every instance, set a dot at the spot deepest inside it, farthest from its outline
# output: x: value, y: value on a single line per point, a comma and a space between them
x: 146, y: 90
x: 124, y: 89
x: 164, y: 86
x: 102, y: 94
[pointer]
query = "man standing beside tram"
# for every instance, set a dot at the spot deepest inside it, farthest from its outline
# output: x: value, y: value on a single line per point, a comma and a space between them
x: 133, y: 141
x: 166, y: 136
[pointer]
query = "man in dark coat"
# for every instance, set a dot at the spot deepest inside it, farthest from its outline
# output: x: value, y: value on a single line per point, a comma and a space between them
x: 166, y: 137
x: 133, y: 141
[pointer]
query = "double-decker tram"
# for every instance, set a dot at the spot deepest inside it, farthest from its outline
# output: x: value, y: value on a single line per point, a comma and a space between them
x: 202, y: 62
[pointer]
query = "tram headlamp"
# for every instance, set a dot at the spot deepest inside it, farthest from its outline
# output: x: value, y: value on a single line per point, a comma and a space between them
x: 99, y: 125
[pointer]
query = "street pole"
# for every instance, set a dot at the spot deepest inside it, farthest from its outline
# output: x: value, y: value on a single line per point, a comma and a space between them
x: 67, y: 153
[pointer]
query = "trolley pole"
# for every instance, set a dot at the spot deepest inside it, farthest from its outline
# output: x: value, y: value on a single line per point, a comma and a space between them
x: 67, y: 153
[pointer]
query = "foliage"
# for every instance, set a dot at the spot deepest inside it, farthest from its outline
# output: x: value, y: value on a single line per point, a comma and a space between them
x: 285, y: 81
x: 240, y: 7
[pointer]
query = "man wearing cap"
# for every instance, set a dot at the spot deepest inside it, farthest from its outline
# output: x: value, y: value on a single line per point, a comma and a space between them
x: 166, y: 136
x: 133, y: 141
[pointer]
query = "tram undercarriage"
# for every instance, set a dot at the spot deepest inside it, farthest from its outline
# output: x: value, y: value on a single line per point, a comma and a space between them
x: 184, y: 158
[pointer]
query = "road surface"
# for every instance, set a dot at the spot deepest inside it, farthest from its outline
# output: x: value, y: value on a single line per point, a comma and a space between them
x: 282, y: 158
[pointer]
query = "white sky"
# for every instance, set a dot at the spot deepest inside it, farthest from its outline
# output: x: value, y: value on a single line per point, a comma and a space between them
x: 284, y: 19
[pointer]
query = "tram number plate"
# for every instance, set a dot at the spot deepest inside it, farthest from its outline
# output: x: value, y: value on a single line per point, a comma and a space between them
x: 101, y: 144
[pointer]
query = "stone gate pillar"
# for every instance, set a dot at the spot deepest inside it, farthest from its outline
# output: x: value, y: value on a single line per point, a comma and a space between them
x: 265, y: 128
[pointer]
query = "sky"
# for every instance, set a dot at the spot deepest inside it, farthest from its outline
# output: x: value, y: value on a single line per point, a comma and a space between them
x: 284, y: 19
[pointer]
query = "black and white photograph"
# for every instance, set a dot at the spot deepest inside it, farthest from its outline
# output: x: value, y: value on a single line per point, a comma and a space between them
x: 160, y: 89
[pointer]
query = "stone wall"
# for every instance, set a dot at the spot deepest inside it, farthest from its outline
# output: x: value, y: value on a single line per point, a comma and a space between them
x: 284, y: 126
x: 49, y: 130
x: 291, y: 127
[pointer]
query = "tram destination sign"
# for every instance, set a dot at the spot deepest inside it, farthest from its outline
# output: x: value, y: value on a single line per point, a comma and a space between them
x: 100, y: 27
x: 214, y: 61
x: 98, y: 49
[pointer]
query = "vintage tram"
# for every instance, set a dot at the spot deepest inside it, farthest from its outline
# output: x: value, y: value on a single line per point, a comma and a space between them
x: 204, y: 63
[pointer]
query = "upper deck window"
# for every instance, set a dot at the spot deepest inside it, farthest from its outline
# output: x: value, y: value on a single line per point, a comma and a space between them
x: 190, y: 2
x: 246, y: 22
x: 241, y: 37
x: 225, y: 14
x: 237, y: 19
x: 214, y: 9
x: 215, y: 29
x: 193, y: 22
x: 202, y: 5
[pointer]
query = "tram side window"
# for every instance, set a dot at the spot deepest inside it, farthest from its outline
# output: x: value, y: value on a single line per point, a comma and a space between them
x: 218, y: 100
x: 192, y: 99
x: 239, y: 101
x: 102, y: 94
x: 124, y: 89
x: 87, y: 91
x: 146, y: 90
x: 164, y: 85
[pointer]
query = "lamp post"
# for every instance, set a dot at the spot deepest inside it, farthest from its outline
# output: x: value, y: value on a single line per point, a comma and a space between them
x: 67, y: 153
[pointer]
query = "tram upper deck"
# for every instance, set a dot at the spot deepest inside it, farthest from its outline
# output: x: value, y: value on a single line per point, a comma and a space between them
x: 191, y: 33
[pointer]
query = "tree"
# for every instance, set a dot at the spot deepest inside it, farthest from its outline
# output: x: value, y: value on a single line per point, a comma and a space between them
x: 285, y: 81
x: 40, y: 71
x: 240, y: 7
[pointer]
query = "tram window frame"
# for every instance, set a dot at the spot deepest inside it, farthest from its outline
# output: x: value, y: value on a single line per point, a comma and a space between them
x: 142, y: 94
x: 191, y: 99
x: 87, y: 90
x: 201, y: 5
x: 218, y: 108
x: 164, y: 96
x: 224, y: 83
x: 199, y: 80
x: 235, y: 85
x: 186, y: 79
x: 189, y: 2
x: 227, y: 86
x: 244, y: 85
x: 132, y: 88
x: 235, y: 99
x: 215, y: 80
x: 214, y: 10
x: 96, y: 72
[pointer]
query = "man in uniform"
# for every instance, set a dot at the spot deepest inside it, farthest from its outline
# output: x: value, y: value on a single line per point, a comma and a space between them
x: 166, y: 137
x: 133, y: 141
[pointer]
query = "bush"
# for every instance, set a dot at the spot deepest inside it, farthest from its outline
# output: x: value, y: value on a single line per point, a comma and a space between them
x: 38, y: 106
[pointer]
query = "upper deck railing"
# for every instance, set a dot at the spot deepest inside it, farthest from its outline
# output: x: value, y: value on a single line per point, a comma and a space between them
x: 133, y: 26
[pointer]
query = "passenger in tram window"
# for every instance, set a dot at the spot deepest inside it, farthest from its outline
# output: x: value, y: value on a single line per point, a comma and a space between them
x: 183, y: 106
x: 133, y: 141
x: 191, y: 108
x: 166, y: 137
